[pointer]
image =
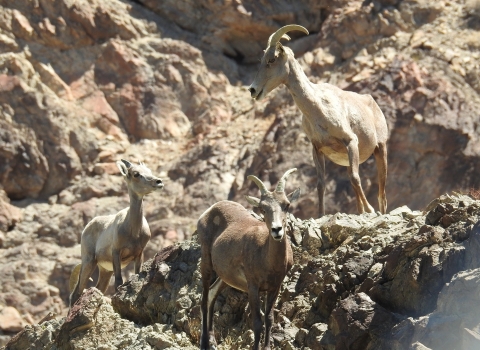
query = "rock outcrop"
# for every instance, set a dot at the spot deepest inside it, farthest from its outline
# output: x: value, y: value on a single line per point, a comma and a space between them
x: 94, y: 315
x: 84, y: 83
x: 407, y: 279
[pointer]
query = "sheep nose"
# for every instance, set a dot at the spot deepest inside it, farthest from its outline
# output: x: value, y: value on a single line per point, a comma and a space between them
x: 252, y: 90
x: 277, y: 232
x: 158, y: 182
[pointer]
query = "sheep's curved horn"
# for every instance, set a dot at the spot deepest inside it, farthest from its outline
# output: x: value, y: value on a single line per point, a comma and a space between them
x: 259, y: 183
x: 281, y: 183
x: 280, y: 33
x: 127, y: 163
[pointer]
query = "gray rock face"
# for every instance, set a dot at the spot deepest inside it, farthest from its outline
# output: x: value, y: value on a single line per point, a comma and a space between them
x: 377, y: 273
x: 454, y: 323
x: 240, y: 31
x: 370, y: 282
x: 24, y: 167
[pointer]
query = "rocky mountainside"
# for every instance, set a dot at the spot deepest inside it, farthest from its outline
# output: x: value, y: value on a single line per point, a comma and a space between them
x: 405, y: 280
x: 84, y: 83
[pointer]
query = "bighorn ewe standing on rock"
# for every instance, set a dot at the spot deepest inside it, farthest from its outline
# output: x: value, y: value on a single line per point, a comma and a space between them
x: 246, y: 254
x: 343, y: 126
x: 113, y: 241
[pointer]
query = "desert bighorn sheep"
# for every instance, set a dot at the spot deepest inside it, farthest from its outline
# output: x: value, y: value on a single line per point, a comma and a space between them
x: 343, y: 126
x: 246, y: 254
x: 113, y: 241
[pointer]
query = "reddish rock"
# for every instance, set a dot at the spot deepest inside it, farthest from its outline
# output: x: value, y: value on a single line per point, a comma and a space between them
x: 86, y: 83
x: 105, y: 168
x: 8, y: 82
x: 24, y: 168
x: 21, y: 25
x: 9, y: 214
x: 11, y: 320
x: 171, y: 235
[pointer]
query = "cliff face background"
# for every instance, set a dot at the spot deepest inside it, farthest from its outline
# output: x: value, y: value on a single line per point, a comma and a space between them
x: 85, y: 83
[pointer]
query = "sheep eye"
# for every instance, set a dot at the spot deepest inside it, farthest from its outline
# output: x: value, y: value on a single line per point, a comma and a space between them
x: 136, y: 174
x: 270, y: 61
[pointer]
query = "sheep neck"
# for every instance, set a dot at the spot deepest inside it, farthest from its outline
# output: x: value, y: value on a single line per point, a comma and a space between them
x: 300, y: 87
x: 134, y: 219
x: 277, y: 254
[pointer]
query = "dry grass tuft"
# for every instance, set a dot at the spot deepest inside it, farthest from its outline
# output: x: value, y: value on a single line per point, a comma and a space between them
x: 195, y: 328
x: 475, y: 194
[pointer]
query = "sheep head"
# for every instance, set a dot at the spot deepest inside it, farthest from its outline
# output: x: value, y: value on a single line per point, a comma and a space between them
x: 273, y: 67
x: 274, y: 205
x: 139, y: 178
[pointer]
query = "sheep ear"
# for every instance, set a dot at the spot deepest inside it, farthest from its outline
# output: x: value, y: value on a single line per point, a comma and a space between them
x: 279, y: 51
x: 127, y: 163
x: 253, y: 200
x: 123, y: 168
x: 292, y: 197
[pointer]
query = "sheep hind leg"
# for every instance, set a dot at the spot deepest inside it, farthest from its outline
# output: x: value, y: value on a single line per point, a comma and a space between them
x: 206, y: 269
x: 319, y: 160
x: 380, y: 154
x: 104, y: 277
x: 208, y: 335
x: 74, y: 277
x: 138, y: 263
x: 353, y: 157
x: 213, y: 293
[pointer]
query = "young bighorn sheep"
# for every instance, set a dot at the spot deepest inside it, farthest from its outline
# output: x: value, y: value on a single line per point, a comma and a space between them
x: 246, y: 254
x: 113, y: 241
x: 343, y: 126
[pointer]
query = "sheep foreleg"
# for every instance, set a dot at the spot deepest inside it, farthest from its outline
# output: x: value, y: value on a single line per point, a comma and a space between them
x: 117, y: 268
x: 271, y: 298
x: 254, y: 300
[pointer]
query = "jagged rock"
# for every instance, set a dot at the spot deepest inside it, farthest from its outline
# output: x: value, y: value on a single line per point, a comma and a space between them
x: 455, y: 321
x: 350, y: 295
x: 360, y: 323
x: 168, y: 287
x: 92, y: 324
x: 36, y: 337
x: 9, y: 215
x: 312, y: 240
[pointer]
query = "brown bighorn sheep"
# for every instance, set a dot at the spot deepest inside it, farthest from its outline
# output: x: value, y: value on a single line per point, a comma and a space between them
x: 113, y: 241
x: 343, y: 126
x: 246, y: 254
